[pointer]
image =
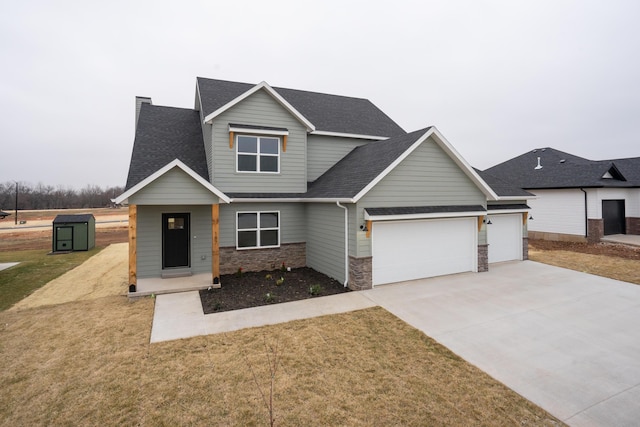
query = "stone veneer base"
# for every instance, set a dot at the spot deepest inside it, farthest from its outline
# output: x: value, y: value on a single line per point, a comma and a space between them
x: 291, y: 254
x: 360, y: 273
x: 483, y: 258
x: 633, y: 225
x: 525, y: 248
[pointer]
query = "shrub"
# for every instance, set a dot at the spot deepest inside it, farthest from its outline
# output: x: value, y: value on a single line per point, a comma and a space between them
x: 315, y: 290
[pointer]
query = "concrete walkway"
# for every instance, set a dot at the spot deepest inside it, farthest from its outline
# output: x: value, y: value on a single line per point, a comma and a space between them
x: 180, y: 315
x: 565, y: 340
x: 5, y: 265
x: 624, y: 239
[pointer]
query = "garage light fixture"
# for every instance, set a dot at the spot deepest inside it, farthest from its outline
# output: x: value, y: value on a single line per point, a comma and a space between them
x: 487, y: 222
x: 531, y: 217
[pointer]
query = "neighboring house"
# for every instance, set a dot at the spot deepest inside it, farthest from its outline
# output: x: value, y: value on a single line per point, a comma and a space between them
x: 576, y: 199
x: 256, y: 176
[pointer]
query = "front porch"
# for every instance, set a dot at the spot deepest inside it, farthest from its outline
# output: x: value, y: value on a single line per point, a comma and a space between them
x: 158, y: 285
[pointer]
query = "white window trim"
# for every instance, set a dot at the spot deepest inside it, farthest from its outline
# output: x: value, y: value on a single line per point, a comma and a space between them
x: 257, y: 230
x: 258, y: 154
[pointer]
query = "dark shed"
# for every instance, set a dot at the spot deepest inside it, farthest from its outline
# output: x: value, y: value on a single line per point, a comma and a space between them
x: 74, y: 232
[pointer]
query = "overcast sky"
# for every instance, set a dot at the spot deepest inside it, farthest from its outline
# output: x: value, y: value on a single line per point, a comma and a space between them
x: 497, y: 78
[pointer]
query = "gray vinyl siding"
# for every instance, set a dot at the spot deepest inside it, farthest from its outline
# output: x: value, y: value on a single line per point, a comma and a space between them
x: 325, y: 151
x: 325, y: 239
x: 428, y: 177
x: 262, y: 110
x: 292, y: 221
x: 206, y: 136
x: 149, y: 238
x: 173, y: 188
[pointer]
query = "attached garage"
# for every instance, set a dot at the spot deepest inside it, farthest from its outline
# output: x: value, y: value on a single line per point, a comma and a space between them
x: 415, y: 249
x: 504, y: 235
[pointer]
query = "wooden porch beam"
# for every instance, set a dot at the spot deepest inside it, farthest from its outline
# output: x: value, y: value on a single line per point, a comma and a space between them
x: 284, y: 143
x: 480, y: 222
x: 231, y: 139
x: 524, y: 218
x: 369, y: 227
x: 133, y: 239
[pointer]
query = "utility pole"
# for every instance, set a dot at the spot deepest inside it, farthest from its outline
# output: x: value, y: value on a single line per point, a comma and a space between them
x: 16, y: 218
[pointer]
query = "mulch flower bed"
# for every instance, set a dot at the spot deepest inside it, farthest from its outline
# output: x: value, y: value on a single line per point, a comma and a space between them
x: 252, y: 289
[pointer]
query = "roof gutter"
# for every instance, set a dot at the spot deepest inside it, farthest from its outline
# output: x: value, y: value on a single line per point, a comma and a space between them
x: 346, y: 243
x: 288, y: 199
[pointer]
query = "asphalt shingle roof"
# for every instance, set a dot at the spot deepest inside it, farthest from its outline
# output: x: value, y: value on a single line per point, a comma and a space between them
x: 413, y: 210
x: 502, y: 188
x: 563, y: 170
x: 163, y: 135
x: 72, y: 219
x: 357, y: 169
x: 330, y: 113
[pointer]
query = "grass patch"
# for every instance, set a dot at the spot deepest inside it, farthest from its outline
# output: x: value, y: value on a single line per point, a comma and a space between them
x: 63, y: 367
x: 627, y: 270
x: 36, y: 269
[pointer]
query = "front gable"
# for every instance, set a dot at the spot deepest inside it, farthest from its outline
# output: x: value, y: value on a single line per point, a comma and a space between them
x: 427, y: 177
x: 174, y: 184
x: 255, y: 115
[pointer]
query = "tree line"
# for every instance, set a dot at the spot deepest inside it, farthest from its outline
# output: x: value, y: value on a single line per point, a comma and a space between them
x: 43, y: 196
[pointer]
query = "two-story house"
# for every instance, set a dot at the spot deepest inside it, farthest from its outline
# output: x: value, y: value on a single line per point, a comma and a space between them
x: 256, y: 176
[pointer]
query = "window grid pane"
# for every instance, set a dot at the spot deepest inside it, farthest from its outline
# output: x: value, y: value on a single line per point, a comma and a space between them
x: 258, y: 229
x: 258, y: 154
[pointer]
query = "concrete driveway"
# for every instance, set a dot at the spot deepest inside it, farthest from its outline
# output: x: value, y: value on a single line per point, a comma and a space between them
x: 568, y: 341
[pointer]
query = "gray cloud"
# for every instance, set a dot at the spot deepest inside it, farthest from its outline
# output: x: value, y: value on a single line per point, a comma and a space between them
x: 496, y: 77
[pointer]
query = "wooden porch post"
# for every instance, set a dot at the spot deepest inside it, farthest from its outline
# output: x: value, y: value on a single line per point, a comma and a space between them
x: 215, y: 244
x: 133, y: 219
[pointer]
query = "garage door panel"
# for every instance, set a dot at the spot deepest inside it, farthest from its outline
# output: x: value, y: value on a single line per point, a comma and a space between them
x: 504, y: 236
x: 416, y: 249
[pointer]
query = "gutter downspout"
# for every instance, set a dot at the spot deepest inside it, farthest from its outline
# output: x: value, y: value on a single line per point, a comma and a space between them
x: 586, y: 221
x: 346, y: 243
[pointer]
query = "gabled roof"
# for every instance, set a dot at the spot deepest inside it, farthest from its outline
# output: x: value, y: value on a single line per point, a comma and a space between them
x: 551, y: 168
x: 162, y: 135
x: 365, y: 166
x: 323, y: 112
x: 162, y: 171
x: 502, y: 188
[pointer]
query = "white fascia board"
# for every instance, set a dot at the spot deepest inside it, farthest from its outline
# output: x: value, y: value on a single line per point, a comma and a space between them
x: 349, y: 135
x: 275, y: 95
x: 423, y: 216
x: 502, y: 198
x: 289, y: 200
x: 157, y: 174
x: 506, y: 211
x: 462, y: 163
x: 258, y: 131
x: 198, y: 97
x: 392, y: 166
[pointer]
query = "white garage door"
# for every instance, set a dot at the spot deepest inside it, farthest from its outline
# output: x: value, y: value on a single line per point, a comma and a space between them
x: 504, y: 236
x: 408, y: 250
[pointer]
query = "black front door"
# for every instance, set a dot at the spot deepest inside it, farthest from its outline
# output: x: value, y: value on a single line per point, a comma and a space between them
x: 175, y: 240
x: 613, y: 217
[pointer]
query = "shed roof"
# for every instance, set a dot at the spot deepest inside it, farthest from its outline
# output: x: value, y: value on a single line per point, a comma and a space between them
x: 73, y: 219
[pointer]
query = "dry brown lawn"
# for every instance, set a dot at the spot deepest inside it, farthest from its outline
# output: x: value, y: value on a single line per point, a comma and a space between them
x: 614, y: 261
x: 90, y: 363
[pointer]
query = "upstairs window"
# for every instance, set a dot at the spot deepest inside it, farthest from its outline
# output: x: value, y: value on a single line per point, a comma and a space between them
x: 258, y: 230
x: 258, y: 154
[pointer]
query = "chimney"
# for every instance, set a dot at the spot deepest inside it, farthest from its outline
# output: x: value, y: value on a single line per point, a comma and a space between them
x: 139, y: 101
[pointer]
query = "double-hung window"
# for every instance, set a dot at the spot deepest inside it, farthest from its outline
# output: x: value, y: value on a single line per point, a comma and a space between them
x: 258, y: 230
x: 258, y: 154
